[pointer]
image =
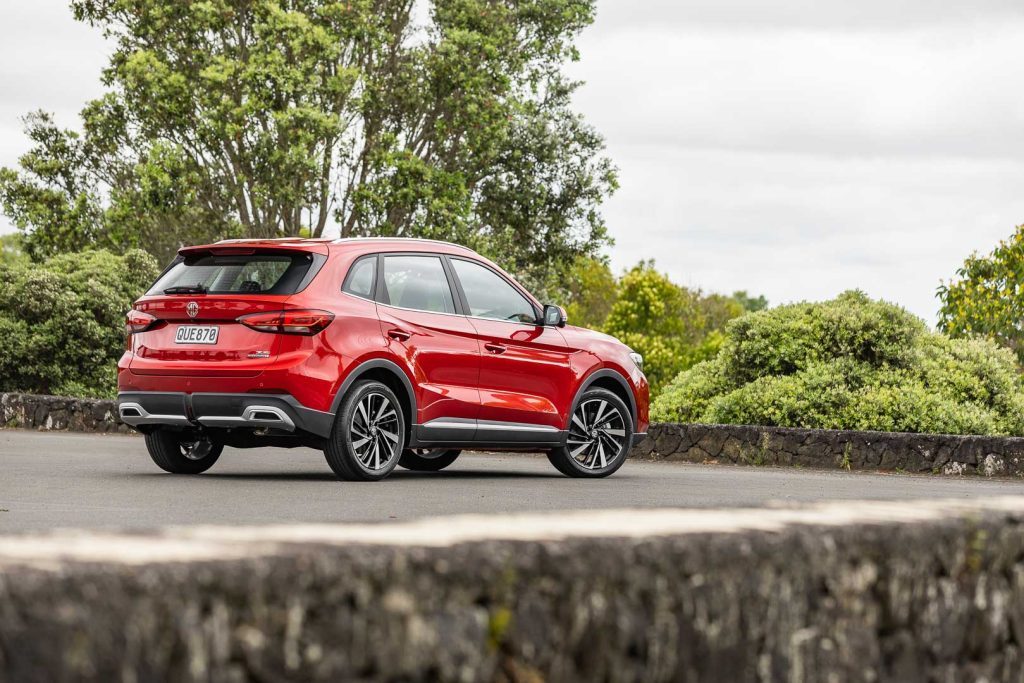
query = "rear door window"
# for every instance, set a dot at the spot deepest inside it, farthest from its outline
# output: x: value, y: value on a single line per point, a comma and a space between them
x: 236, y: 274
x: 417, y: 282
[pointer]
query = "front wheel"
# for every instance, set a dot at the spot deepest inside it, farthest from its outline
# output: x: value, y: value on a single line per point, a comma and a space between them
x: 600, y: 435
x: 428, y: 459
x: 368, y: 434
x: 180, y: 452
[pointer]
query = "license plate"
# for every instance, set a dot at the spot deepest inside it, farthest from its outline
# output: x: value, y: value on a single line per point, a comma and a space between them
x: 196, y: 334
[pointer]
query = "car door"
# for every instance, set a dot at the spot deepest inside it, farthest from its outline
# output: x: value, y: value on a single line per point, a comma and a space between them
x: 524, y: 367
x: 421, y: 324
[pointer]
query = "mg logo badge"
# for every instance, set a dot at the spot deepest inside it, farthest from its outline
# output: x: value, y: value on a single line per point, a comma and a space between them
x: 192, y: 309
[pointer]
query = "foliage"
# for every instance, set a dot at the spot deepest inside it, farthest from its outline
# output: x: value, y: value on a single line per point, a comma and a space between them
x: 11, y: 249
x: 324, y: 117
x: 587, y: 289
x: 849, y: 363
x: 987, y: 297
x: 671, y: 326
x: 750, y: 304
x: 62, y: 321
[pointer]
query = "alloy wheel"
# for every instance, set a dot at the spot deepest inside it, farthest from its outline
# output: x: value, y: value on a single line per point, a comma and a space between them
x: 597, y: 434
x: 196, y: 450
x: 374, y: 431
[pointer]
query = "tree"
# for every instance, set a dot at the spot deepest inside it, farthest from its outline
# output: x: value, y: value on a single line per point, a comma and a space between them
x: 325, y: 117
x: 750, y: 304
x: 849, y: 363
x: 673, y: 327
x: 11, y: 250
x: 986, y: 299
x: 660, y: 320
x: 589, y: 291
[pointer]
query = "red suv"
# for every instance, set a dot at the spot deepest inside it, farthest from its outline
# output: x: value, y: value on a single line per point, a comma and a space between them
x: 380, y: 352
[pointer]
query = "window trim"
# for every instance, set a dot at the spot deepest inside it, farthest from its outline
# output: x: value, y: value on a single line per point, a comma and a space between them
x: 538, y: 319
x: 379, y: 291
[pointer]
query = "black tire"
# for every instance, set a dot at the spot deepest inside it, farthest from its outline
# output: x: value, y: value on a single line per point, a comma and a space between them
x: 428, y: 459
x: 181, y: 452
x: 350, y: 448
x: 599, y: 420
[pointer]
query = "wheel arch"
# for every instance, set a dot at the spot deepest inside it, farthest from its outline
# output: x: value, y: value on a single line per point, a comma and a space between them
x: 613, y: 381
x: 391, y: 375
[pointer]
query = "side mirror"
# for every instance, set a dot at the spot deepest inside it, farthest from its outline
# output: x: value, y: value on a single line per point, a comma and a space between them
x: 554, y: 316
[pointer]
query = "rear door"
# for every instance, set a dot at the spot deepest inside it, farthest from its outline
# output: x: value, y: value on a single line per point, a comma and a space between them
x: 525, y: 376
x: 197, y: 303
x: 418, y: 316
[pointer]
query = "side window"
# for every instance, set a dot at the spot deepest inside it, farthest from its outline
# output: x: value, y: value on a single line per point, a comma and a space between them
x: 417, y: 282
x: 490, y: 296
x: 359, y: 280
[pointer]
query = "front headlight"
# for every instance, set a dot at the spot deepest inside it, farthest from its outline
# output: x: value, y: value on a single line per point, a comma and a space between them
x: 638, y: 359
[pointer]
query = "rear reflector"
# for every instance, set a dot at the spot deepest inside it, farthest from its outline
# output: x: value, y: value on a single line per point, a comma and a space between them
x: 138, y: 321
x: 299, y: 321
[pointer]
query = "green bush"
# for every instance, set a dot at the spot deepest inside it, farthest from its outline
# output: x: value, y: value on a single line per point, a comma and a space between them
x: 62, y: 321
x: 849, y: 363
x: 672, y: 327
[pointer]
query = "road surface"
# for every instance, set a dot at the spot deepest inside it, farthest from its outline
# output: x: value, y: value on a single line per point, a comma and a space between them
x: 52, y: 480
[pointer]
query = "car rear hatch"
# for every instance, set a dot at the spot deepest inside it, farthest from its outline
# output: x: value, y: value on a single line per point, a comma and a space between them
x: 196, y: 306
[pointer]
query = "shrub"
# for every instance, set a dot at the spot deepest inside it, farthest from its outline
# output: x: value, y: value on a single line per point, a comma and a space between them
x: 673, y: 327
x: 62, y: 321
x: 849, y: 363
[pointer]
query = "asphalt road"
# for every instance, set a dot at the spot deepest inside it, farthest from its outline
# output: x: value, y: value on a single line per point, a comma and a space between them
x: 51, y: 480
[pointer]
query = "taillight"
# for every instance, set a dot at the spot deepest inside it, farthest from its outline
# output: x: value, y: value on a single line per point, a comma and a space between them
x: 138, y: 321
x: 299, y: 321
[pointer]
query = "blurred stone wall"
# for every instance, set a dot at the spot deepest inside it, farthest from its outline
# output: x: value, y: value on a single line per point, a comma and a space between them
x: 843, y: 592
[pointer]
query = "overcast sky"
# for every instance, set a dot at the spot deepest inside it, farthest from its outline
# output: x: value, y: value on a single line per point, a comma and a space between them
x: 794, y: 148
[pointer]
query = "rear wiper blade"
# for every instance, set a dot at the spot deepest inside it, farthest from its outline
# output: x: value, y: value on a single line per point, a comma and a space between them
x: 186, y: 289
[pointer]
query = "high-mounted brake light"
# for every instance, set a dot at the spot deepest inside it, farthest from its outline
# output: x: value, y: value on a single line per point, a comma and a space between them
x: 138, y: 321
x: 299, y: 321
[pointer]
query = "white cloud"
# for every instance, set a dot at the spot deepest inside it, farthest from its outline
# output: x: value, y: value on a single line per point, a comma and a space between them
x: 802, y: 151
x: 840, y: 14
x: 48, y: 61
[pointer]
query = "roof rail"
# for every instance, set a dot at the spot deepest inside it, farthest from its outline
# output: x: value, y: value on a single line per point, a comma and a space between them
x: 262, y: 239
x: 342, y: 240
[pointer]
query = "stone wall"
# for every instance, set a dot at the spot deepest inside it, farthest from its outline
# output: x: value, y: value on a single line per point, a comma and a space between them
x: 834, y: 449
x: 28, y: 411
x: 928, y: 590
x: 732, y: 444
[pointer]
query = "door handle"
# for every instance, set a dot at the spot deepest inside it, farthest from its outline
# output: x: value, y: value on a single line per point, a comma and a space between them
x: 495, y: 348
x: 399, y: 335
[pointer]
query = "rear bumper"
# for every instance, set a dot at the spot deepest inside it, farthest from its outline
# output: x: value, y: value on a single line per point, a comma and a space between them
x: 221, y: 411
x: 637, y: 438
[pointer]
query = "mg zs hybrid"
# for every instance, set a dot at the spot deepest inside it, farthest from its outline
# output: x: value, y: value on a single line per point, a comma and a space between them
x: 381, y: 352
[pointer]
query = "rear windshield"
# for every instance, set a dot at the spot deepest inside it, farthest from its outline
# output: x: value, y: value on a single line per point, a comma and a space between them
x: 236, y: 274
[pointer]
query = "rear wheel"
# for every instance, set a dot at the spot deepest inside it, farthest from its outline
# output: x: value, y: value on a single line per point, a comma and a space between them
x: 181, y: 452
x: 600, y: 434
x: 368, y: 434
x: 428, y: 459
